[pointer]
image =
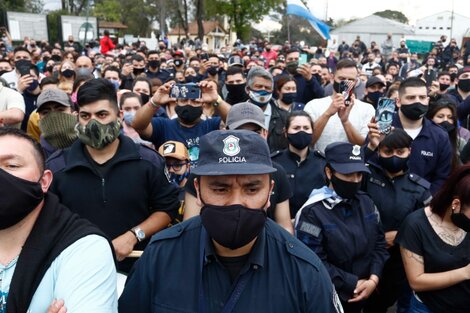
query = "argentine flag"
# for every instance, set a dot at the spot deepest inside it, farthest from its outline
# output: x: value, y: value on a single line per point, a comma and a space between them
x: 296, y: 7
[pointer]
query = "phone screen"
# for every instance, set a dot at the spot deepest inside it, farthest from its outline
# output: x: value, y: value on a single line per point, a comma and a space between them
x: 302, y: 58
x: 384, y: 114
x: 185, y: 91
x: 346, y: 88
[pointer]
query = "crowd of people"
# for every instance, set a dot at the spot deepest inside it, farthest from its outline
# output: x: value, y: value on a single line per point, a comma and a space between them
x: 254, y: 178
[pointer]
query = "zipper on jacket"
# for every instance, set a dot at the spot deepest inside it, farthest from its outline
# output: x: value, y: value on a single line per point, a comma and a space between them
x: 103, y: 190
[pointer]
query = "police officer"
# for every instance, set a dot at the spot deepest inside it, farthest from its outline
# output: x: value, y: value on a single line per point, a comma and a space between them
x: 231, y: 258
x: 303, y: 166
x: 341, y: 225
x: 396, y: 192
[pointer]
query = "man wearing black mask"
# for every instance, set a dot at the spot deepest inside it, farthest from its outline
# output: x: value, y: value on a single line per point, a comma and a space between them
x: 461, y: 94
x: 375, y: 88
x: 235, y: 246
x: 46, y: 251
x: 431, y: 151
x: 188, y: 127
x: 235, y: 83
x: 22, y: 59
x: 153, y: 67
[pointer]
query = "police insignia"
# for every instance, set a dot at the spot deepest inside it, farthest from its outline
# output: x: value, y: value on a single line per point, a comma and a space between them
x: 231, y: 146
x: 310, y: 229
x: 356, y: 150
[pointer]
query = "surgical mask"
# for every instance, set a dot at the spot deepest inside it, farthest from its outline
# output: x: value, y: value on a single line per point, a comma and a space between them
x: 19, y: 198
x: 128, y: 117
x: 288, y: 98
x: 145, y: 98
x: 115, y: 83
x: 374, y: 97
x: 233, y: 226
x: 393, y: 164
x: 68, y: 73
x: 464, y: 85
x: 154, y: 63
x: 97, y: 135
x: 299, y: 140
x: 260, y: 97
x: 443, y: 87
x: 188, y: 114
x: 291, y: 67
x: 137, y: 71
x: 212, y: 70
x: 58, y: 129
x: 345, y: 189
x: 33, y: 85
x: 414, y: 111
x: 447, y: 126
x: 461, y: 221
x: 83, y: 71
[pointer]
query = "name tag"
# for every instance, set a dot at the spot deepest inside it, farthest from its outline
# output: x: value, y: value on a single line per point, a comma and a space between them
x: 427, y: 153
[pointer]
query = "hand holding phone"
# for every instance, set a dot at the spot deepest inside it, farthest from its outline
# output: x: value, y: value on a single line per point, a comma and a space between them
x: 346, y: 88
x: 384, y: 114
x: 185, y: 91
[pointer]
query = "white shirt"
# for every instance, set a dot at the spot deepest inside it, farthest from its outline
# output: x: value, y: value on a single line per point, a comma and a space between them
x: 12, y: 79
x: 360, y: 115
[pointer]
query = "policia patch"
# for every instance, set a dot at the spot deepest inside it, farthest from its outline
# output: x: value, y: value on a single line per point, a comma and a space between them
x: 310, y: 229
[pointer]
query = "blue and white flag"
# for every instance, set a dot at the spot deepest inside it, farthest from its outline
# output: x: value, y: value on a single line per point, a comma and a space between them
x: 296, y: 7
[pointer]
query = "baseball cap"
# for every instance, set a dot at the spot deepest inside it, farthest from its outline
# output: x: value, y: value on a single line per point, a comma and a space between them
x: 174, y: 149
x: 233, y: 152
x: 465, y: 69
x: 235, y: 60
x: 53, y: 95
x: 244, y: 113
x: 345, y: 158
x: 374, y: 80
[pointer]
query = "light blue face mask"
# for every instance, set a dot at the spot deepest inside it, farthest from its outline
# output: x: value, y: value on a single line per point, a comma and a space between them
x: 129, y: 117
x: 260, y: 97
x: 115, y: 83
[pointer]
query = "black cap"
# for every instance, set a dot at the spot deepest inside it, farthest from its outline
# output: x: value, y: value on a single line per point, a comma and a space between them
x: 233, y: 152
x: 465, y: 69
x: 345, y: 158
x: 374, y: 80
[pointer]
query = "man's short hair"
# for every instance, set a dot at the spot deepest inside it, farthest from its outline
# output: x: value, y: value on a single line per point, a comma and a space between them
x: 346, y: 63
x: 411, y: 82
x: 443, y: 73
x: 138, y: 58
x: 38, y: 152
x: 258, y: 72
x: 21, y: 48
x: 112, y: 69
x: 150, y: 52
x: 234, y: 70
x: 97, y: 89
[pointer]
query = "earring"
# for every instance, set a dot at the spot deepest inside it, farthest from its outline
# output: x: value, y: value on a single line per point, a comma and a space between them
x: 453, y: 208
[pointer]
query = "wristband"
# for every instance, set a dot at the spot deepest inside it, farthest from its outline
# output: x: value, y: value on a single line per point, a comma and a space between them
x: 218, y: 101
x: 153, y: 104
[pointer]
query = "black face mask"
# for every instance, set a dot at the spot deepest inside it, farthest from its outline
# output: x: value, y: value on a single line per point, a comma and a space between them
x: 345, y: 189
x: 68, y: 73
x: 154, y: 64
x: 393, y: 164
x: 56, y: 58
x: 453, y: 76
x: 137, y: 71
x: 191, y: 79
x: 414, y: 111
x: 336, y: 86
x: 291, y: 67
x: 300, y: 139
x: 443, y: 87
x: 212, y: 70
x: 461, y: 221
x: 236, y: 93
x: 447, y: 126
x: 145, y: 98
x: 317, y: 77
x: 178, y: 62
x: 188, y: 114
x: 49, y: 69
x: 232, y: 226
x: 464, y: 85
x: 19, y: 198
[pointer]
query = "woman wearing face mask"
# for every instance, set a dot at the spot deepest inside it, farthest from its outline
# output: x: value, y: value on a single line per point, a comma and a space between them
x: 444, y: 113
x: 190, y: 75
x: 129, y: 103
x: 66, y: 76
x: 286, y: 89
x: 435, y: 248
x: 396, y: 193
x: 304, y: 167
x: 143, y: 87
x: 342, y: 226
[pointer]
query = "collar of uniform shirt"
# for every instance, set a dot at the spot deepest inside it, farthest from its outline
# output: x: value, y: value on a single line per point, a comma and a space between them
x: 256, y: 253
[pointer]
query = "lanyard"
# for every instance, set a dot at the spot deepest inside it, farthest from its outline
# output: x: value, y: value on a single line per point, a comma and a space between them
x: 237, y: 291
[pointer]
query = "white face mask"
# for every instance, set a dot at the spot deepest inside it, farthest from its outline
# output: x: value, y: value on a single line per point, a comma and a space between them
x: 260, y: 97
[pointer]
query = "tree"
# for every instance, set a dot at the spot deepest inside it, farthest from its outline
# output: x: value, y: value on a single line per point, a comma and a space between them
x: 242, y: 13
x: 108, y: 10
x: 393, y: 15
x: 200, y: 18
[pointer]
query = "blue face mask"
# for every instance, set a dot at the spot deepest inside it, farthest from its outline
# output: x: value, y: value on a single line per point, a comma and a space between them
x: 129, y: 117
x: 260, y: 97
x: 33, y: 85
x: 177, y: 179
x: 288, y: 98
x: 115, y: 83
x: 374, y: 97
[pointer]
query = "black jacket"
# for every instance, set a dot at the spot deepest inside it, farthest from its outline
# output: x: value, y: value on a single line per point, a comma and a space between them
x: 276, y: 138
x: 134, y: 187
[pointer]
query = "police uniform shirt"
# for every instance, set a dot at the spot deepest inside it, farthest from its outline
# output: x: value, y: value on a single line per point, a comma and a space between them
x: 396, y: 198
x: 347, y: 237
x: 303, y: 176
x: 286, y: 277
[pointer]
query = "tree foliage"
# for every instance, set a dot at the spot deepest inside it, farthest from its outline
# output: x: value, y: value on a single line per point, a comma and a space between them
x: 393, y: 15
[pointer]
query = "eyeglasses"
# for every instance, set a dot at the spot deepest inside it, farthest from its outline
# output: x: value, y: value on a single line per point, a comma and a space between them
x: 176, y: 166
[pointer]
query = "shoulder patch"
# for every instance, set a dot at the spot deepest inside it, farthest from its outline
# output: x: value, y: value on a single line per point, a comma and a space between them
x: 419, y: 181
x: 311, y: 229
x: 376, y: 181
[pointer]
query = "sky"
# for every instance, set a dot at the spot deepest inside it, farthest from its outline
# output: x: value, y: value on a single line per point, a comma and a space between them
x: 413, y: 9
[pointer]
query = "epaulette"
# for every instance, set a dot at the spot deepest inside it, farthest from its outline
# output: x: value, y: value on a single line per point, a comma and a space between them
x: 275, y: 153
x: 419, y: 180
